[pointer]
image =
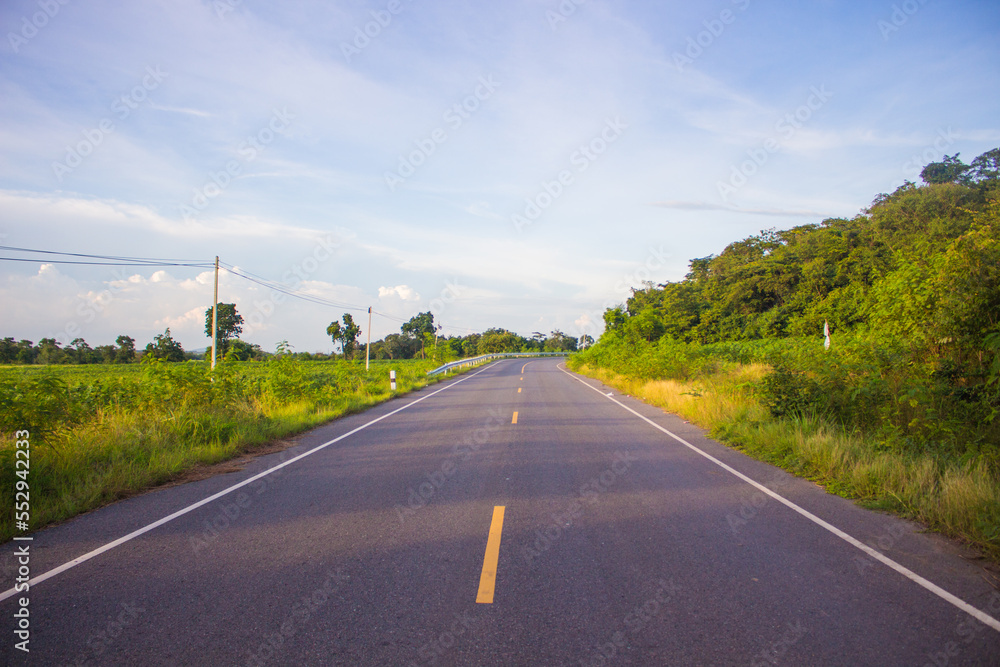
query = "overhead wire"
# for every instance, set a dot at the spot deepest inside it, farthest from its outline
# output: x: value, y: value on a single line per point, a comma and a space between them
x: 116, y: 260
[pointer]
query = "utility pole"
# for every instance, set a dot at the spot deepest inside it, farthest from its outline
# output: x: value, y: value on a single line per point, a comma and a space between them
x: 368, y: 348
x: 215, y: 312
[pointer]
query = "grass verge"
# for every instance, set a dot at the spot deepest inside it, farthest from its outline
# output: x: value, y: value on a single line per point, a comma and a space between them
x: 959, y: 499
x: 103, y: 435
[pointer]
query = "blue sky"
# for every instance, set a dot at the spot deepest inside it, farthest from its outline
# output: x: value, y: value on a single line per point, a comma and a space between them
x: 518, y: 164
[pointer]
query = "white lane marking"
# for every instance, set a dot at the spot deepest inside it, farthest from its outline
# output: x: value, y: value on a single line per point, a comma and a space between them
x: 906, y: 572
x: 156, y: 524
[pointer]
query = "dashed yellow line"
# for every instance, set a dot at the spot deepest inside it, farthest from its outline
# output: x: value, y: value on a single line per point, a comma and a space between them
x: 519, y: 390
x: 514, y: 420
x: 487, y: 580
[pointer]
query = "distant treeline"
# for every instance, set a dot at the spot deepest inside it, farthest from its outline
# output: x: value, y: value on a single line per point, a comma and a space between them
x: 417, y: 340
x: 48, y: 351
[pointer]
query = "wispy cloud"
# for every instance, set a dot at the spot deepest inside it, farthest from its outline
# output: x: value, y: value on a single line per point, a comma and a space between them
x: 710, y: 206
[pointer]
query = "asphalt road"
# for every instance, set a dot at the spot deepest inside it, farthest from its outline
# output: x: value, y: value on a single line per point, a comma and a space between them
x: 619, y: 545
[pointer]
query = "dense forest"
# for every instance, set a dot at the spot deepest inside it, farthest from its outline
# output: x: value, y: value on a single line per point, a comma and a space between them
x: 909, y: 290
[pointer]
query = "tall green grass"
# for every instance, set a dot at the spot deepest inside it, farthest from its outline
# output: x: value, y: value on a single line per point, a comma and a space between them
x: 100, y: 433
x: 826, y: 418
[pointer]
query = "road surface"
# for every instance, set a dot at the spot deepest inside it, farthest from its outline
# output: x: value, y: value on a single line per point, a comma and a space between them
x: 626, y: 537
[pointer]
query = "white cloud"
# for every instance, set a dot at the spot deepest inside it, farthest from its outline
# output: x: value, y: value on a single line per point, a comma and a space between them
x: 403, y: 292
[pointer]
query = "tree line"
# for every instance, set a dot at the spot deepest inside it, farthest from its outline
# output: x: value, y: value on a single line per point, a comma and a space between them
x: 921, y: 264
x: 909, y: 290
x: 418, y: 338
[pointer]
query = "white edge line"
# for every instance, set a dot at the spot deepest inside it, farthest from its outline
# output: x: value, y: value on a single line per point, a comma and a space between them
x: 156, y: 524
x: 906, y: 572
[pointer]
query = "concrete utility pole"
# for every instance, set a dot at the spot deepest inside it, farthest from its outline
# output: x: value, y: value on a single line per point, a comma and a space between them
x: 368, y: 348
x: 215, y: 312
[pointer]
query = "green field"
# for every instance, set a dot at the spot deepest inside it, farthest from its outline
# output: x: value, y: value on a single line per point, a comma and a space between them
x: 102, y: 432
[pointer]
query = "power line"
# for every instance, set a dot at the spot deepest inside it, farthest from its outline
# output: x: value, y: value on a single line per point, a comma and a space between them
x: 305, y: 296
x: 114, y: 259
x: 63, y: 261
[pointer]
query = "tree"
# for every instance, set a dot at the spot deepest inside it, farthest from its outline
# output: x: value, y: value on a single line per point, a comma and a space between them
x: 949, y: 170
x: 49, y: 352
x: 500, y: 340
x: 126, y: 349
x: 418, y: 325
x: 986, y: 167
x: 8, y: 351
x: 349, y: 335
x: 82, y: 353
x: 346, y: 334
x: 240, y: 350
x: 334, y: 331
x: 614, y: 319
x: 560, y: 342
x: 26, y: 352
x: 164, y: 347
x: 398, y: 346
x: 230, y: 324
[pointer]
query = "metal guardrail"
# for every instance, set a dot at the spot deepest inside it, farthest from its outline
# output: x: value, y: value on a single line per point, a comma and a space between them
x: 472, y: 361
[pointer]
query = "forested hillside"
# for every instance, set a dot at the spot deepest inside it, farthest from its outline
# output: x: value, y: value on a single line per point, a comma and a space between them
x: 919, y: 264
x: 910, y: 292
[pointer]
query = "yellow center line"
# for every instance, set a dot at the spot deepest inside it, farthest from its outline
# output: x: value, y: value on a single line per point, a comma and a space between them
x: 519, y: 390
x: 514, y: 420
x: 487, y: 580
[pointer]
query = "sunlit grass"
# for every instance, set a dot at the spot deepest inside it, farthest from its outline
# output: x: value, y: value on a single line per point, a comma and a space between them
x: 960, y: 499
x: 98, y: 447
